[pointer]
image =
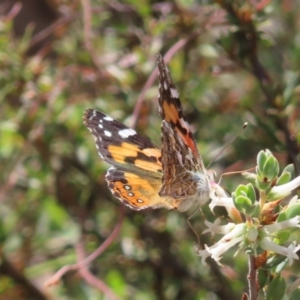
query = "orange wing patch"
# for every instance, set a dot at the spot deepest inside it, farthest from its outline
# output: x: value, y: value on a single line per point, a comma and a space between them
x: 170, y: 112
x: 136, y: 191
x: 148, y: 159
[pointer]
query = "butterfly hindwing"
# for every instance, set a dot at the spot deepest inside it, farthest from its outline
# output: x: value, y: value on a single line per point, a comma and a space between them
x: 135, y: 190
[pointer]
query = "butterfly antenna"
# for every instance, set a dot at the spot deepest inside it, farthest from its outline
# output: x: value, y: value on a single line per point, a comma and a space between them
x: 233, y: 173
x: 230, y: 142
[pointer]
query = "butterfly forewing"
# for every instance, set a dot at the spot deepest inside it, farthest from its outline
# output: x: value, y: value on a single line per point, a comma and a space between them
x: 184, y: 174
x: 120, y: 145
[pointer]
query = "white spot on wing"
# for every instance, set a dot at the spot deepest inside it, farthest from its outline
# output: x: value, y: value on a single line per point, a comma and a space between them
x: 174, y: 93
x: 100, y: 126
x: 108, y: 118
x: 184, y: 124
x: 107, y: 133
x: 165, y: 85
x: 125, y: 133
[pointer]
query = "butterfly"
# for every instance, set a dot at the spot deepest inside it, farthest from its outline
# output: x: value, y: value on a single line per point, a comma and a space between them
x: 141, y: 174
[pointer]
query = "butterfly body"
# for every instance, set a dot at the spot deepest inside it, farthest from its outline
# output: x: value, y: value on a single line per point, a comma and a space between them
x: 142, y: 175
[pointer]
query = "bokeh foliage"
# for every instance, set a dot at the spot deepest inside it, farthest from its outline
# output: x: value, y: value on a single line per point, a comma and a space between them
x: 232, y: 61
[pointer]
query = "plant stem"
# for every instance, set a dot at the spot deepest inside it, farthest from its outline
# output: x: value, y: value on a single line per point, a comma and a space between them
x: 252, y: 278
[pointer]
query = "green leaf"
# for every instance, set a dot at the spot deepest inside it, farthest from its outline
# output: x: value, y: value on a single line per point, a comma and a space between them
x: 279, y: 268
x: 242, y: 203
x: 241, y: 190
x: 251, y: 193
x: 262, y: 185
x: 284, y: 178
x: 283, y: 235
x: 290, y: 212
x: 251, y: 177
x: 261, y: 160
x: 276, y: 289
x: 290, y: 169
x: 271, y: 168
x: 296, y: 294
x: 262, y: 277
x: 255, y: 210
x: 274, y: 261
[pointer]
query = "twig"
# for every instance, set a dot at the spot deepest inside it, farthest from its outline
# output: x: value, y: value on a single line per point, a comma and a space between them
x: 90, y: 278
x: 87, y: 33
x: 52, y: 28
x: 56, y: 277
x: 252, y: 278
x: 13, y: 11
x: 65, y: 19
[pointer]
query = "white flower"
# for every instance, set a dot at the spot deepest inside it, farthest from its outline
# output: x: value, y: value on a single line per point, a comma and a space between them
x: 266, y: 242
x: 290, y: 251
x: 214, y: 228
x: 293, y: 222
x: 219, y: 198
x: 294, y: 200
x: 204, y: 255
x: 282, y: 191
x: 248, y: 235
x: 235, y: 236
x: 216, y: 251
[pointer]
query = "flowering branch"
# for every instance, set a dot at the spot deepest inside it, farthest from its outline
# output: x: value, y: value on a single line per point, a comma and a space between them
x: 258, y: 225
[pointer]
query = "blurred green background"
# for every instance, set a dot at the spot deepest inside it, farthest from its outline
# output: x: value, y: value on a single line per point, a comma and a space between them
x: 232, y: 62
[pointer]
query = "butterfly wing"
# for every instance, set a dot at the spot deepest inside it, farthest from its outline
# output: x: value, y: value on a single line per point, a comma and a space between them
x: 120, y: 145
x: 136, y: 172
x: 136, y: 190
x: 141, y: 175
x: 184, y: 175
